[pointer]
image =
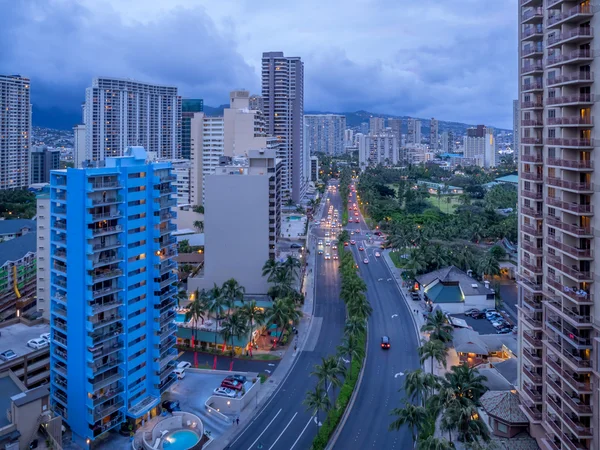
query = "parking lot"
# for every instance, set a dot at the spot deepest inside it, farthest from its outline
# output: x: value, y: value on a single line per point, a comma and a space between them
x: 482, y: 326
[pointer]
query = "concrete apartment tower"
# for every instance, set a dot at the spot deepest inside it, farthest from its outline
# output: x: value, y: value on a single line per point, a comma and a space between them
x: 434, y: 135
x: 325, y: 133
x: 516, y: 130
x: 15, y: 130
x: 376, y: 125
x: 189, y: 106
x: 122, y: 113
x: 42, y: 160
x: 283, y: 103
x: 43, y: 287
x: 113, y: 293
x: 559, y: 300
x: 413, y: 135
x: 396, y: 127
x: 480, y: 146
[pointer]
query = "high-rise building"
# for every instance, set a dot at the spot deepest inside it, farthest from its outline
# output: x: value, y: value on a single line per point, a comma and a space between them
x: 113, y: 290
x: 558, y: 296
x: 434, y: 134
x: 480, y: 146
x: 314, y: 169
x: 348, y: 137
x: 244, y: 199
x: 43, y: 252
x: 283, y: 104
x: 189, y: 106
x: 414, y: 131
x: 42, y: 160
x: 256, y: 103
x: 376, y: 125
x: 122, y: 113
x: 181, y: 171
x: 375, y: 149
x: 79, y: 150
x: 396, y: 128
x: 15, y: 132
x: 364, y: 150
x: 516, y: 130
x: 324, y: 133
x: 243, y: 127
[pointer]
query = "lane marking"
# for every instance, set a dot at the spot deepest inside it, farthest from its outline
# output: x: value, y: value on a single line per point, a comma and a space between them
x: 286, y: 427
x: 260, y: 435
x: 394, y: 316
x: 300, y: 435
x: 399, y: 374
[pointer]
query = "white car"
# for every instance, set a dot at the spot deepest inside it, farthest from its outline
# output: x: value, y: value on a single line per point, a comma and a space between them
x: 328, y: 243
x: 37, y: 343
x: 320, y: 242
x: 7, y: 355
x: 366, y: 261
x: 377, y: 254
x: 180, y: 373
x: 327, y: 234
x: 225, y: 392
x: 46, y: 337
x: 327, y: 256
x: 184, y: 365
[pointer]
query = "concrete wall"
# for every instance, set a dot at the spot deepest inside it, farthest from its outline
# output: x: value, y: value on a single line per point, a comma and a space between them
x: 26, y: 418
x: 237, y: 231
x: 43, y: 255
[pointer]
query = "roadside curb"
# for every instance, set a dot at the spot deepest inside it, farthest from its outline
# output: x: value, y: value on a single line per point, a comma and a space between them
x: 340, y: 427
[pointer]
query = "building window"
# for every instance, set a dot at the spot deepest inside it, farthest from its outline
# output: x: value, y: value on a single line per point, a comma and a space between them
x: 502, y: 428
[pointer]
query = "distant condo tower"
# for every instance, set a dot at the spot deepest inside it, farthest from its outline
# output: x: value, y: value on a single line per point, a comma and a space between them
x: 122, y: 113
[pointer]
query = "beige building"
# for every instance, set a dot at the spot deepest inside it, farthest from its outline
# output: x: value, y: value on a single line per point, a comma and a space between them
x: 244, y: 214
x: 558, y: 319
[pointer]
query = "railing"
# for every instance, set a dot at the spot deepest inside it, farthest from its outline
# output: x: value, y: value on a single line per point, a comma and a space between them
x: 531, y: 212
x: 532, y: 104
x: 60, y: 225
x: 576, y: 385
x: 532, y: 321
x: 569, y: 335
x: 569, y: 78
x: 60, y: 267
x: 532, y: 412
x: 574, y: 185
x: 99, y: 381
x: 535, y: 85
x: 105, y: 185
x: 576, y: 32
x: 534, y: 360
x: 533, y: 176
x: 573, y: 251
x: 531, y: 194
x: 108, y: 260
x: 108, y: 365
x: 534, y: 395
x: 572, y: 56
x: 534, y: 377
x: 527, y: 246
x: 571, y: 163
x: 575, y: 11
x: 534, y: 342
x: 106, y: 274
x: 106, y: 216
x: 532, y: 230
x: 572, y: 271
x: 107, y: 410
x: 575, y: 294
x: 569, y: 206
x: 571, y: 228
x: 532, y: 302
x: 531, y: 31
x: 534, y: 158
x: 535, y: 268
x: 567, y: 99
x: 557, y: 308
x: 102, y: 201
x: 534, y: 13
x: 532, y: 140
x: 106, y: 245
x: 571, y: 120
x: 532, y: 123
x: 103, y: 230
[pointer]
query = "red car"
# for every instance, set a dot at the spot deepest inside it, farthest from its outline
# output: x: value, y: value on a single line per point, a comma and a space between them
x: 356, y: 214
x: 361, y: 249
x: 232, y: 384
x: 345, y: 244
x: 353, y: 242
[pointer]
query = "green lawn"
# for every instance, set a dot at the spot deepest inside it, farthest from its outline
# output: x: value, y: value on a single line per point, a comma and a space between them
x: 443, y: 204
x: 260, y: 357
x: 398, y: 262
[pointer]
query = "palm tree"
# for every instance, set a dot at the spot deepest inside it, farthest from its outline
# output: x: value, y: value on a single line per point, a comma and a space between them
x: 234, y: 326
x: 182, y: 295
x: 419, y: 385
x: 282, y: 313
x: 355, y: 326
x: 465, y: 419
x: 438, y: 326
x: 433, y: 349
x: 466, y: 382
x: 350, y: 347
x: 232, y: 292
x: 488, y: 265
x: 316, y: 401
x: 196, y: 311
x: 269, y: 268
x: 411, y: 415
x: 329, y: 372
x: 253, y: 314
x: 433, y: 443
x: 416, y: 262
x: 344, y: 236
x: 359, y: 307
x: 199, y: 224
x: 352, y: 288
x: 292, y: 266
x: 216, y: 306
x: 438, y: 255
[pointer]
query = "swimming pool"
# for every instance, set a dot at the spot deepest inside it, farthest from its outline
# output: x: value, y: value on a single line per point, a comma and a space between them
x: 294, y: 218
x: 180, y: 318
x: 180, y: 440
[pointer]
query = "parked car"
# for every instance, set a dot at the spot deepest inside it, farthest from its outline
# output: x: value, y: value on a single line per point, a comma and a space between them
x: 180, y: 373
x: 38, y: 343
x: 296, y: 245
x: 231, y: 384
x: 479, y: 315
x: 225, y: 392
x: 240, y: 378
x: 7, y: 355
x: 470, y: 312
x: 184, y: 365
x: 45, y: 336
x: 171, y: 405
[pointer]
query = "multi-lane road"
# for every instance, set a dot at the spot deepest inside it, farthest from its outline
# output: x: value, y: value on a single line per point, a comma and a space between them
x: 368, y: 421
x: 283, y: 423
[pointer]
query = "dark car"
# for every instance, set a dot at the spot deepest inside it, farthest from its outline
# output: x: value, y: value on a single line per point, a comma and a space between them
x: 171, y: 405
x: 385, y: 342
x: 240, y: 378
x: 296, y: 246
x: 479, y: 315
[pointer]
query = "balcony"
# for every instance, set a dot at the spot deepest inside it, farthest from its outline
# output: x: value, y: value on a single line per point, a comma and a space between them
x: 537, y: 85
x: 574, y: 272
x: 577, y: 385
x: 536, y: 104
x: 571, y: 100
x: 532, y: 176
x: 534, y: 268
x: 570, y: 250
x: 529, y: 247
x: 532, y: 158
x: 60, y: 267
x: 106, y: 216
x: 569, y: 334
x: 577, y: 13
x: 530, y: 319
x: 534, y: 33
x: 569, y: 228
x: 533, y: 414
x: 572, y: 121
x: 579, y: 296
x: 98, y: 337
x: 570, y: 36
x: 108, y: 348
x: 536, y: 213
x: 532, y: 395
x: 532, y: 302
x: 534, y: 195
x: 106, y: 201
x: 570, y: 185
x: 576, y: 404
x: 534, y: 15
x: 532, y: 141
x: 571, y: 164
x: 110, y: 364
x: 532, y: 358
x: 106, y: 230
x: 572, y: 207
x: 108, y: 260
x: 97, y: 323
x: 574, y: 57
x: 531, y: 340
x: 98, y: 276
x: 571, y: 316
x: 104, y: 185
x: 100, y: 412
x: 105, y: 379
x: 532, y: 123
x: 533, y: 377
x: 107, y: 395
x: 524, y: 3
x: 532, y: 230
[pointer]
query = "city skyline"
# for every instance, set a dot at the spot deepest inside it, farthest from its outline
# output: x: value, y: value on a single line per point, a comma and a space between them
x: 404, y: 81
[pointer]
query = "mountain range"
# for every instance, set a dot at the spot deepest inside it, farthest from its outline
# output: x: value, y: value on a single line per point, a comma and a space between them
x: 59, y: 119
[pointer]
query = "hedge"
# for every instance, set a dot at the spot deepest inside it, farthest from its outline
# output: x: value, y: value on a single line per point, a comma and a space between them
x: 335, y: 414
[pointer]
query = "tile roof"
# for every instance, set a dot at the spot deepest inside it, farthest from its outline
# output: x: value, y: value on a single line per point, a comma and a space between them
x: 521, y: 441
x: 508, y: 369
x: 452, y: 274
x: 17, y: 248
x: 16, y: 225
x: 495, y: 381
x: 466, y: 340
x: 503, y: 405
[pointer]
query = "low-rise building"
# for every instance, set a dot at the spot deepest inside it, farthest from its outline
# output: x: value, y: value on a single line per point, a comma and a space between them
x: 455, y: 291
x: 18, y: 271
x: 10, y: 229
x: 505, y: 417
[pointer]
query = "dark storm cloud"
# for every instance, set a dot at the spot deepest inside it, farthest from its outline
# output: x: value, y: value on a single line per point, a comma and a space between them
x: 61, y: 46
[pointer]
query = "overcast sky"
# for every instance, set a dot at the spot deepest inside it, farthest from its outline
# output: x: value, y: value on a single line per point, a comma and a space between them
x: 450, y: 59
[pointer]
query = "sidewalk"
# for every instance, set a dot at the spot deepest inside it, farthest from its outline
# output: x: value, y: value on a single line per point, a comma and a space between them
x: 287, y: 362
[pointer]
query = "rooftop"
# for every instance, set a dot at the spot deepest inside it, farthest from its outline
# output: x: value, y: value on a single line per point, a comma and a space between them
x: 454, y: 276
x: 508, y: 369
x: 16, y: 225
x: 495, y: 381
x: 8, y: 388
x: 17, y: 248
x: 15, y: 337
x: 503, y: 405
x: 512, y: 179
x: 468, y: 341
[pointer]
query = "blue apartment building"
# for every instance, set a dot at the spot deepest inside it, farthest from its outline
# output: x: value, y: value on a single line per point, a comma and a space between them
x: 113, y: 290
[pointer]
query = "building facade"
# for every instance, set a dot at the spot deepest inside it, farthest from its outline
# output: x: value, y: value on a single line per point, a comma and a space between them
x: 18, y: 272
x: 396, y: 128
x: 413, y: 135
x: 113, y: 287
x: 244, y: 200
x: 325, y: 133
x: 314, y: 169
x: 283, y: 104
x: 15, y: 130
x: 434, y: 134
x: 516, y: 130
x: 376, y: 125
x: 243, y: 127
x: 43, y: 252
x: 42, y: 160
x: 558, y: 315
x: 122, y: 113
x: 256, y: 103
x: 480, y: 146
x: 189, y: 106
